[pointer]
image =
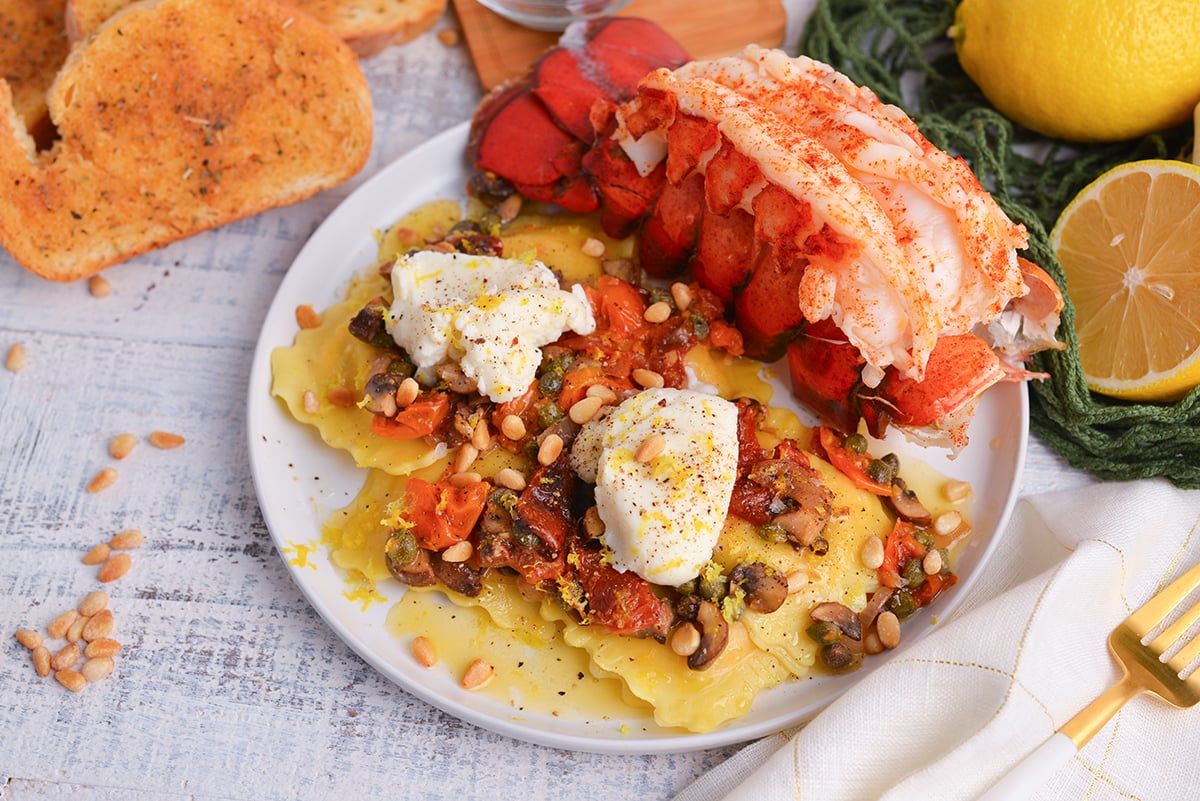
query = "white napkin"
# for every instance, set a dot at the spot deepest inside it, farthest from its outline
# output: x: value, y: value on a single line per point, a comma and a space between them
x: 1023, y: 654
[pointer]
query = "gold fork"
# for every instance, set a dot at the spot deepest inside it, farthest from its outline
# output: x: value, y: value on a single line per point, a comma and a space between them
x: 1148, y: 664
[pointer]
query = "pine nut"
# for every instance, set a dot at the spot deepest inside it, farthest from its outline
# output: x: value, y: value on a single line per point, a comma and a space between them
x: 75, y: 633
x: 512, y: 427
x: 59, y: 626
x: 593, y: 524
x: 458, y: 552
x: 508, y: 209
x: 97, y: 668
x: 310, y: 402
x: 105, y: 646
x: 97, y: 555
x: 93, y: 602
x: 75, y: 682
x: 932, y: 563
x: 103, y: 480
x: 651, y: 448
x: 29, y: 638
x: 685, y: 639
x: 647, y: 379
x: 478, y: 674
x: 99, y: 287
x: 947, y: 523
x: 165, y: 440
x: 888, y: 627
x: 604, y: 393
x: 41, y: 660
x: 99, y: 626
x: 117, y: 566
x: 956, y: 490
x: 307, y: 317
x: 872, y: 553
x: 461, y: 480
x: 121, y: 445
x: 17, y: 360
x: 341, y: 397
x: 66, y: 657
x: 423, y: 652
x: 593, y: 247
x: 657, y: 312
x: 871, y: 643
x: 407, y: 392
x: 550, y: 449
x: 510, y: 478
x: 681, y: 295
x: 797, y: 580
x: 584, y: 409
x: 467, y: 454
x: 481, y: 437
x: 126, y: 540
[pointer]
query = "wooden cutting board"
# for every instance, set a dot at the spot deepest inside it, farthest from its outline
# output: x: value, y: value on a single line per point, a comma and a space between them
x: 503, y: 49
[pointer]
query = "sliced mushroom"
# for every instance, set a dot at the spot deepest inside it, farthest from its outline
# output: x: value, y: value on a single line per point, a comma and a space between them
x: 714, y: 635
x: 906, y: 504
x: 839, y: 615
x: 379, y: 395
x: 458, y: 576
x: 765, y: 588
x: 874, y: 606
x: 369, y: 326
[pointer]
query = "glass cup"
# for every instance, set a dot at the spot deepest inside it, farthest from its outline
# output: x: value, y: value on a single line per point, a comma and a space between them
x: 552, y: 15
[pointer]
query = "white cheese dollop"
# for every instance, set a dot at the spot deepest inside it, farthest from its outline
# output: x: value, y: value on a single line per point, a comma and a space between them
x: 491, y: 315
x: 662, y: 517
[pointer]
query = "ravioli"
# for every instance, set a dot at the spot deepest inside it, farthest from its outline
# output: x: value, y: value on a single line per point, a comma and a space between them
x: 763, y: 651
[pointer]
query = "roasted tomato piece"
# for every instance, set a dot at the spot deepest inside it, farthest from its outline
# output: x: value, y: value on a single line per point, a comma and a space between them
x: 852, y: 465
x: 545, y: 504
x: 624, y: 603
x: 442, y: 515
x: 420, y: 418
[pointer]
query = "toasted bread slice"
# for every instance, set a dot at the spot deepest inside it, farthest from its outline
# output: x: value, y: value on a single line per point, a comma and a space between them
x: 175, y: 117
x: 368, y: 26
x: 33, y: 45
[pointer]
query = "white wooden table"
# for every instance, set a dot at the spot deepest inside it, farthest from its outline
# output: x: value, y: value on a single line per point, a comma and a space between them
x: 229, y: 685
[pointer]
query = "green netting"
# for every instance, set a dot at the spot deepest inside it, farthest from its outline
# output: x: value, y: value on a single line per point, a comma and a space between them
x: 900, y: 50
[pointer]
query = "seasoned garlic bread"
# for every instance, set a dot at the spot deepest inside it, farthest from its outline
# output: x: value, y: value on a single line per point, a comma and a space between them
x: 368, y: 26
x: 181, y: 133
x: 33, y: 46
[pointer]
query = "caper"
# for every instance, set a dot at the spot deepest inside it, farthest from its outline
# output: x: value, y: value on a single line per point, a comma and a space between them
x: 550, y: 383
x: 712, y: 585
x: 524, y: 536
x: 902, y: 604
x: 700, y: 326
x: 924, y: 537
x: 823, y: 631
x: 659, y: 295
x: 880, y: 471
x: 819, y: 546
x: 773, y: 532
x: 401, y: 549
x: 856, y: 443
x: 549, y: 414
x: 892, y: 461
x: 914, y: 573
x: 401, y: 366
x: 836, y: 655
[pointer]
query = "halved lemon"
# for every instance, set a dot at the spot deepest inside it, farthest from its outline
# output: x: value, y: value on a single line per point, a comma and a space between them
x: 1130, y: 245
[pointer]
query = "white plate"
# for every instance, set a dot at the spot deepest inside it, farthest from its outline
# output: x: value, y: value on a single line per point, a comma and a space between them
x: 300, y: 481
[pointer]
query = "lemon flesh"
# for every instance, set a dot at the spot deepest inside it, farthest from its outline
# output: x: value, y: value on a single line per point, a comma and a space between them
x: 1130, y: 246
x: 1084, y: 70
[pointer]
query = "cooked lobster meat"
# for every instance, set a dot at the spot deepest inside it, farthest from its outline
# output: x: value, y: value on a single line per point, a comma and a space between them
x: 833, y: 230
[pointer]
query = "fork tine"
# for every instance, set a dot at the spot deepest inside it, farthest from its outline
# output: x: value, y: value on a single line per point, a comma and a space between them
x: 1157, y: 608
x: 1186, y: 655
x: 1176, y: 630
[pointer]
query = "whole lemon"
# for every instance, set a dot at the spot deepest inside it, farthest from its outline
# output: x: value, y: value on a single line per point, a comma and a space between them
x: 1084, y: 70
